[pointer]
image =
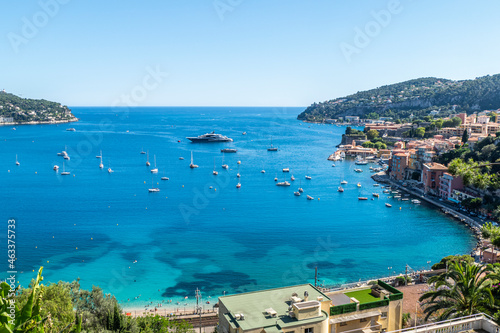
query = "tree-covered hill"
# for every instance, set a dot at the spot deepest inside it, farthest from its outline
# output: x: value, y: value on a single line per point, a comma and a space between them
x: 23, y: 110
x: 418, y: 97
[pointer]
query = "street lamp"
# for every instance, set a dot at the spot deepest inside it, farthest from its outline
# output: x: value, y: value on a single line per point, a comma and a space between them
x: 198, y: 307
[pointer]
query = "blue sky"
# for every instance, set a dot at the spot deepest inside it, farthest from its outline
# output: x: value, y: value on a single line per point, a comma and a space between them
x: 237, y: 52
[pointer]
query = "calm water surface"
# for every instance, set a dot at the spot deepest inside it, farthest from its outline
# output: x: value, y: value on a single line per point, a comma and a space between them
x: 107, y: 230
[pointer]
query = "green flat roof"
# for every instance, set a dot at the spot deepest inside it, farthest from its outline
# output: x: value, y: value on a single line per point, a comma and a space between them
x: 363, y: 296
x: 253, y: 305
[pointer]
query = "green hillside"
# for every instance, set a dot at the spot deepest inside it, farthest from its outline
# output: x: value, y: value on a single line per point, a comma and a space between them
x: 23, y: 110
x: 418, y: 97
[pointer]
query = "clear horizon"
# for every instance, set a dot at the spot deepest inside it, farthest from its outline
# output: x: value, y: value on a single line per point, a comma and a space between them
x: 236, y: 52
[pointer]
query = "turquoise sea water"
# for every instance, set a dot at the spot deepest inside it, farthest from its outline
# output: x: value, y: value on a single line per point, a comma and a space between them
x: 94, y: 226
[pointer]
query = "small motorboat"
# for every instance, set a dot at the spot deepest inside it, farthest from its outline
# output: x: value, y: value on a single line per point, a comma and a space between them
x: 262, y: 171
x: 388, y: 205
x: 301, y: 190
x: 238, y: 185
x: 181, y: 158
x: 340, y: 189
x: 164, y: 178
x: 376, y: 195
x: 310, y: 198
x: 285, y: 183
x: 362, y: 198
x: 286, y: 170
x: 308, y: 177
x: 376, y: 185
x: 55, y: 168
x: 155, y: 189
x: 333, y: 165
x: 292, y: 178
x: 297, y: 193
x: 359, y: 185
x: 344, y: 182
x: 228, y: 150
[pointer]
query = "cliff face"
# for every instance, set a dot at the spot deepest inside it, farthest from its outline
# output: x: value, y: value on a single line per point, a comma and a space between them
x: 418, y: 97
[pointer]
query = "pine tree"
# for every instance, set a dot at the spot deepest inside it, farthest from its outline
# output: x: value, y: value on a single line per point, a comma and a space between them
x: 465, y: 137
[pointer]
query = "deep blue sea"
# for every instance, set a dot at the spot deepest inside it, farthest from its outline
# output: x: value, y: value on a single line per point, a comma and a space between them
x: 108, y: 230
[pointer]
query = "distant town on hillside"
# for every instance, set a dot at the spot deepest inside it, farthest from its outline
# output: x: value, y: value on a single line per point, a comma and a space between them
x: 409, y: 100
x: 18, y: 110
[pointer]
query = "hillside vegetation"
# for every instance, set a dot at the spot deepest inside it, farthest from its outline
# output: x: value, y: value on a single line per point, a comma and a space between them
x: 23, y: 110
x: 418, y: 97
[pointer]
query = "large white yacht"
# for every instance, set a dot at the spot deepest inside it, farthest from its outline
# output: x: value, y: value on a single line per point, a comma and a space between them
x: 210, y: 137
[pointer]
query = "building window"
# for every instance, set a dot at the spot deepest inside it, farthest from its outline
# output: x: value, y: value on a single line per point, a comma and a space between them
x: 343, y: 324
x: 363, y: 320
x: 309, y: 330
x: 384, y: 315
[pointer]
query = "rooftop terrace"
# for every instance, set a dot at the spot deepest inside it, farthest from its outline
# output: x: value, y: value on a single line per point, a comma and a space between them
x: 363, y: 296
x: 269, y: 308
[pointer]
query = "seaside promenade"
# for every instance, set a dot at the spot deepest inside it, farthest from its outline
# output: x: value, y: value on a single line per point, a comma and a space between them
x: 472, y: 223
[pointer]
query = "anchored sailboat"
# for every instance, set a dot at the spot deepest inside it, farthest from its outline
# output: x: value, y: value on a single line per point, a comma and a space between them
x: 192, y: 165
x: 155, y: 170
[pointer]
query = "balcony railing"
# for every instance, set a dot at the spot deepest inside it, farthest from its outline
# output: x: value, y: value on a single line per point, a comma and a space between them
x: 477, y: 321
x: 369, y: 329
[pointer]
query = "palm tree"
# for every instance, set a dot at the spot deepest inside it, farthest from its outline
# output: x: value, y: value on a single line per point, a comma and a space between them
x: 463, y: 290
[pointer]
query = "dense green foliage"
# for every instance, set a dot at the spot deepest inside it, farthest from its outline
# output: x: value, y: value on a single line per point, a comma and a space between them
x: 25, y: 109
x: 351, y: 131
x: 463, y: 290
x: 27, y: 317
x: 458, y: 258
x: 491, y: 232
x: 65, y: 307
x: 418, y: 97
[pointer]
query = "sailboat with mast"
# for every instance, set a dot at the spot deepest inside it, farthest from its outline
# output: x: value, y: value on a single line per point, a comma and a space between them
x: 64, y: 172
x: 153, y: 188
x: 307, y: 176
x: 192, y: 165
x: 283, y: 183
x: 215, y: 173
x: 155, y: 170
x: 272, y: 148
x: 300, y: 190
x: 101, y: 166
x: 224, y: 166
x: 147, y: 159
x: 17, y: 162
